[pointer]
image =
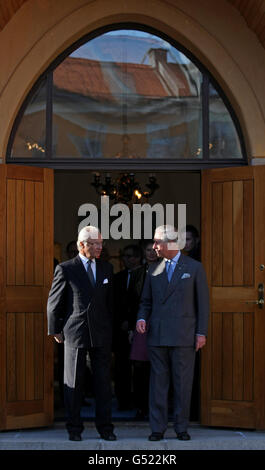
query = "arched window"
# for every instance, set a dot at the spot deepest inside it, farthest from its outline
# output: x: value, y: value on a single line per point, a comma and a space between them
x: 126, y: 94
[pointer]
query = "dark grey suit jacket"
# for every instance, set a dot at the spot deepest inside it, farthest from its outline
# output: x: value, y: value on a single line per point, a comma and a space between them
x: 178, y: 310
x: 82, y: 312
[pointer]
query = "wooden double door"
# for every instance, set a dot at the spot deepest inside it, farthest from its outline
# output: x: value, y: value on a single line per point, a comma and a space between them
x: 233, y: 253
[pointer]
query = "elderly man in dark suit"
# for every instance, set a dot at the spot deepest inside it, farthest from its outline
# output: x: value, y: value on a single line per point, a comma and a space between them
x: 80, y: 314
x: 175, y: 302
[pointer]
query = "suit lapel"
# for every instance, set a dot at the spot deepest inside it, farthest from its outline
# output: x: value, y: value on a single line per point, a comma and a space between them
x: 178, y: 271
x: 161, y: 275
x: 99, y: 273
x: 81, y: 273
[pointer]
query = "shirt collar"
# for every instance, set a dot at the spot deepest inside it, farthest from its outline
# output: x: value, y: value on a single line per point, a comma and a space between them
x: 175, y: 259
x: 85, y: 259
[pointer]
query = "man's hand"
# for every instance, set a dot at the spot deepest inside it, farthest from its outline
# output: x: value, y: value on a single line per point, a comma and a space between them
x: 141, y: 326
x: 200, y: 342
x: 58, y: 338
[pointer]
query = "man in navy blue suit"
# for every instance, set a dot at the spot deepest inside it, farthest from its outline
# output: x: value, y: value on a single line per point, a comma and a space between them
x: 175, y: 302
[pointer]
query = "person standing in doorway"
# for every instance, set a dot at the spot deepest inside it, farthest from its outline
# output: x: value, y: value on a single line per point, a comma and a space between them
x: 79, y: 311
x: 192, y: 246
x: 192, y: 249
x: 139, y: 352
x: 175, y: 302
x: 132, y: 258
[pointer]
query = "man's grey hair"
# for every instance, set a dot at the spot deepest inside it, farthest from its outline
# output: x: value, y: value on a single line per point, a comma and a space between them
x: 167, y: 233
x: 86, y: 233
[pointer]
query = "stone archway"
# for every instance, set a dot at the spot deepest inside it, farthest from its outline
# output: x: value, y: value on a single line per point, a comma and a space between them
x: 233, y: 59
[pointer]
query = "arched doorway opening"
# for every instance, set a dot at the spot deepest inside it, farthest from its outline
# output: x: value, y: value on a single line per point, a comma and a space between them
x: 160, y: 111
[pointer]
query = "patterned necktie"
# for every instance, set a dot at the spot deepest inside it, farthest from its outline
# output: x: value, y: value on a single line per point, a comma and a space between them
x: 90, y: 273
x: 170, y: 269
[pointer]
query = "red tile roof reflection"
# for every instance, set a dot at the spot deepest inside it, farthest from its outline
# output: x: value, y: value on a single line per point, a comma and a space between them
x: 102, y: 80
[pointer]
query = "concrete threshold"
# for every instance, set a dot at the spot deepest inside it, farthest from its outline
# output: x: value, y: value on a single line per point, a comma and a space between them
x: 132, y: 436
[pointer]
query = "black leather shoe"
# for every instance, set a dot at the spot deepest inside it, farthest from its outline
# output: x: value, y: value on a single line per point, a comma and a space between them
x: 108, y: 436
x: 156, y: 436
x: 73, y: 436
x: 183, y: 436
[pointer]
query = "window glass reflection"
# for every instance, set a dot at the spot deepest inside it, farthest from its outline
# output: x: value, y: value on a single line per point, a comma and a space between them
x: 224, y: 141
x: 30, y: 137
x: 127, y: 94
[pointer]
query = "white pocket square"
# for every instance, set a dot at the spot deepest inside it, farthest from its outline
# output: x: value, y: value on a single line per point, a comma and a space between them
x: 105, y: 281
x: 185, y: 276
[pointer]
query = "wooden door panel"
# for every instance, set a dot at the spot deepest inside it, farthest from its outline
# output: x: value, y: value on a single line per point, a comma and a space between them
x: 25, y: 232
x: 25, y: 356
x: 233, y: 414
x: 26, y: 391
x: 232, y: 356
x: 232, y: 233
x: 233, y: 249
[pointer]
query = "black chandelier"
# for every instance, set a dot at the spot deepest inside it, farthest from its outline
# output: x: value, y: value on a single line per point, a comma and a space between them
x: 125, y: 189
